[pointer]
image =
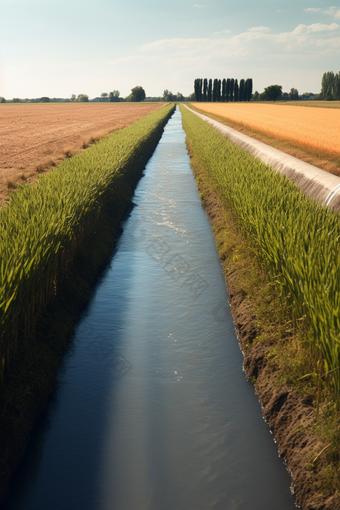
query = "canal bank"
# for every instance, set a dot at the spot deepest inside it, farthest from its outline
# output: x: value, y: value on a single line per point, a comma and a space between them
x: 152, y: 409
x: 56, y: 238
x: 277, y: 359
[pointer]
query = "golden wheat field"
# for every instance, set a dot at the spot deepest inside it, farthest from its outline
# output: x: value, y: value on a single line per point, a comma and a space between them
x: 317, y: 128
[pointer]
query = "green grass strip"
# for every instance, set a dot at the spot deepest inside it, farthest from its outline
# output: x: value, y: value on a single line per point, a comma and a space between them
x: 297, y: 239
x: 46, y: 225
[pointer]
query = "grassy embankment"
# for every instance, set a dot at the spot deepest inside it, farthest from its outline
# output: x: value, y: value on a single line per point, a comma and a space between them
x: 55, y: 237
x: 284, y: 249
x: 325, y: 160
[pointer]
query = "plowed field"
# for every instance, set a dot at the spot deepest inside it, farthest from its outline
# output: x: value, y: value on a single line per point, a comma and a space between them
x: 316, y: 128
x: 35, y: 137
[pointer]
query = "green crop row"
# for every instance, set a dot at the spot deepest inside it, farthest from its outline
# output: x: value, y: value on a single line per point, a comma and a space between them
x: 297, y: 239
x: 45, y: 224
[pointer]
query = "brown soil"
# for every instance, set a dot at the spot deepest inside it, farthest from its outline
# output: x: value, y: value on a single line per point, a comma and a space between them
x: 290, y: 414
x: 324, y: 160
x: 36, y: 137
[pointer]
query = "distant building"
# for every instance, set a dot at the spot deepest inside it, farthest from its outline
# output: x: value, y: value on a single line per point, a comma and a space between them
x: 308, y: 97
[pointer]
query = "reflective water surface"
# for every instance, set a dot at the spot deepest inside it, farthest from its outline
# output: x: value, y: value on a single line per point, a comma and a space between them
x: 153, y: 410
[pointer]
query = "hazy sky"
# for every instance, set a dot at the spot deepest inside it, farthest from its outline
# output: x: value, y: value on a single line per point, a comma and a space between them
x: 61, y: 47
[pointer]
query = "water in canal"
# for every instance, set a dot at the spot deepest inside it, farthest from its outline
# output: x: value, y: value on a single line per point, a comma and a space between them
x: 153, y: 410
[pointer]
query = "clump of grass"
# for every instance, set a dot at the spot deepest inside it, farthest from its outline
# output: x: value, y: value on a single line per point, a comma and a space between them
x: 11, y: 184
x: 68, y: 152
x: 44, y: 165
x: 86, y: 143
x: 95, y: 137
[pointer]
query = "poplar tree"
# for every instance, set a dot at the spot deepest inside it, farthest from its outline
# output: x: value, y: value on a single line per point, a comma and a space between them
x: 218, y: 95
x: 210, y: 89
x: 242, y: 91
x: 205, y: 89
x: 198, y: 88
x: 327, y: 85
x: 231, y: 93
x: 214, y: 90
x: 337, y: 86
x: 249, y: 92
x: 330, y: 86
x: 236, y: 90
x: 224, y: 87
x: 227, y: 90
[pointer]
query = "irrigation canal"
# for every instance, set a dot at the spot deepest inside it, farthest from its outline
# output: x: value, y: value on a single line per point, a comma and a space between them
x: 153, y: 410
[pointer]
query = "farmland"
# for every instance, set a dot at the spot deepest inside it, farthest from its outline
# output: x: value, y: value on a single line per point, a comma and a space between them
x: 35, y: 137
x: 312, y: 127
x: 311, y: 104
x: 64, y: 219
x: 55, y: 238
x: 296, y: 259
x: 286, y: 278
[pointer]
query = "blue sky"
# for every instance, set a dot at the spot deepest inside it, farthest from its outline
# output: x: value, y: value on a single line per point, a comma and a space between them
x: 57, y: 47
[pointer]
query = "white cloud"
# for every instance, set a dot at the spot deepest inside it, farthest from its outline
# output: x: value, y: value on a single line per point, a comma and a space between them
x: 259, y: 29
x: 312, y: 9
x: 317, y: 27
x: 199, y: 6
x: 333, y: 11
x: 256, y: 43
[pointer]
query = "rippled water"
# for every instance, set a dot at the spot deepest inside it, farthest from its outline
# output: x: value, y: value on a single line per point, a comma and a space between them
x: 153, y: 410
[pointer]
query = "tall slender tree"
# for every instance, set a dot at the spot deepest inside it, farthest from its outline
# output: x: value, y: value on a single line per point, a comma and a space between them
x: 227, y: 90
x: 214, y: 92
x: 198, y: 88
x: 242, y: 91
x: 224, y: 86
x: 236, y: 90
x: 248, y: 89
x: 231, y: 93
x: 337, y: 86
x: 218, y: 95
x: 327, y: 85
x: 210, y: 90
x: 205, y: 89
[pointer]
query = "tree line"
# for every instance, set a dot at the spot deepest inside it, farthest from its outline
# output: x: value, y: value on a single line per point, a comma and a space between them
x: 330, y: 86
x: 223, y: 90
x: 137, y: 95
